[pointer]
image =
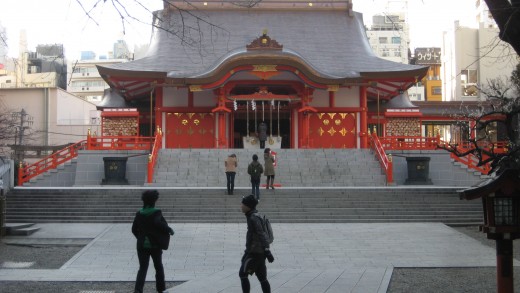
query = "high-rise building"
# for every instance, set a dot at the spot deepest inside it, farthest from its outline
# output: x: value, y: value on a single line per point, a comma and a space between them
x: 88, y: 55
x: 85, y: 81
x: 121, y: 51
x: 471, y: 58
x: 389, y: 37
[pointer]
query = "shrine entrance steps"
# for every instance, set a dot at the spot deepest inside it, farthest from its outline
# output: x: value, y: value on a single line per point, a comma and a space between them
x: 213, y: 205
x: 295, y: 167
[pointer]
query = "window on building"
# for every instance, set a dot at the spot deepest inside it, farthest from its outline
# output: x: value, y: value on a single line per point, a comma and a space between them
x: 468, y: 82
x: 397, y: 53
x: 385, y: 52
x: 383, y: 40
x: 396, y: 40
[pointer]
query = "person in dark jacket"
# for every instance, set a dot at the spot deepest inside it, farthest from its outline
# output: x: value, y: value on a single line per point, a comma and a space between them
x: 257, y: 248
x: 262, y: 134
x: 150, y: 228
x: 255, y: 170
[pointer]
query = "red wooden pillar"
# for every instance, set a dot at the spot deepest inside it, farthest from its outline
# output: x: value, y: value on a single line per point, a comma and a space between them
x: 158, y: 107
x: 472, y: 129
x: 332, y: 99
x: 363, y: 117
x: 305, y: 110
x: 221, y: 109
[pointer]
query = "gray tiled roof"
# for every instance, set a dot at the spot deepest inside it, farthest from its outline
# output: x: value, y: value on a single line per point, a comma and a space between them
x: 331, y: 42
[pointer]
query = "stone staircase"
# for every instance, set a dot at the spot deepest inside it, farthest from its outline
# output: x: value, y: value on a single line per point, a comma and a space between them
x: 285, y: 205
x: 296, y: 167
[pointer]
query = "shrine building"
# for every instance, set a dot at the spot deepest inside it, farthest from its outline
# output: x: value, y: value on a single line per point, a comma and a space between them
x: 216, y: 69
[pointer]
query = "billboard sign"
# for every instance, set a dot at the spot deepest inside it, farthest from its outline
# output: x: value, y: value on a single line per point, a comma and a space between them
x: 428, y: 56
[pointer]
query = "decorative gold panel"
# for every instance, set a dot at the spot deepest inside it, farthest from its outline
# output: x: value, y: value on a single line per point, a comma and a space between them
x: 195, y: 88
x: 264, y: 68
x: 333, y: 88
x: 326, y: 121
x: 331, y: 115
x: 331, y: 131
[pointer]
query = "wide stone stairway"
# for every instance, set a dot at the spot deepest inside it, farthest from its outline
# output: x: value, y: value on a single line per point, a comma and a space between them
x: 295, y: 168
x: 209, y: 205
x: 314, y: 186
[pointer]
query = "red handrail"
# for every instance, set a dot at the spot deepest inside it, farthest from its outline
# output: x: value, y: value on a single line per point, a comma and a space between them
x: 51, y: 162
x: 152, y: 158
x: 409, y: 142
x: 384, y: 160
x: 119, y: 142
x: 470, y: 160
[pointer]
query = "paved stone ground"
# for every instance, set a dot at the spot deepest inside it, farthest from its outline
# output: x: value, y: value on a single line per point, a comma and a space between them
x: 309, y: 257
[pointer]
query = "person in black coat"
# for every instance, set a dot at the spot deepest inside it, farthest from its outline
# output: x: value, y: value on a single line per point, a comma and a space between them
x: 257, y: 248
x: 153, y: 235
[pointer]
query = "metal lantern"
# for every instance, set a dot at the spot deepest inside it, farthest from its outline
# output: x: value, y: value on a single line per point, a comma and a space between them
x: 501, y: 204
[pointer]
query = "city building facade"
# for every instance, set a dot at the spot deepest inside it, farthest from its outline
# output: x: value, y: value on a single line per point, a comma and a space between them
x: 85, y: 80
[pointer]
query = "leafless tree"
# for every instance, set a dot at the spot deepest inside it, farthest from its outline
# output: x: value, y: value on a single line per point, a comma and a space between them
x: 7, y: 129
x: 499, y: 110
x: 507, y: 16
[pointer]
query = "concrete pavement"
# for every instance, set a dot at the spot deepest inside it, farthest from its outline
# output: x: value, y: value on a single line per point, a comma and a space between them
x: 309, y: 257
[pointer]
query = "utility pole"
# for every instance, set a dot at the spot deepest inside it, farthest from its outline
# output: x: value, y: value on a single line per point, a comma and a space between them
x: 24, y: 119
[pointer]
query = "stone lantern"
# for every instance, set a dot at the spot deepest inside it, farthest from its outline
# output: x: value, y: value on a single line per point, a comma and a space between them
x: 501, y: 203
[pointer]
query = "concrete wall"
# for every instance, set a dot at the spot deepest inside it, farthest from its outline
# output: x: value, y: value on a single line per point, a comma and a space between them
x: 443, y: 172
x: 58, y: 116
x: 90, y: 170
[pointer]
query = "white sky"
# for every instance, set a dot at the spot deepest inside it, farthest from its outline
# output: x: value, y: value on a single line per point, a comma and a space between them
x: 65, y: 22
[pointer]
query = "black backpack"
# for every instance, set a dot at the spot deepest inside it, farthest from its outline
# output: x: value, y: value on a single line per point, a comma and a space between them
x: 256, y: 170
x: 266, y: 226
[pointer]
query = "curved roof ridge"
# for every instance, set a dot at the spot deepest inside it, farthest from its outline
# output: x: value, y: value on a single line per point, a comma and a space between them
x: 330, y: 42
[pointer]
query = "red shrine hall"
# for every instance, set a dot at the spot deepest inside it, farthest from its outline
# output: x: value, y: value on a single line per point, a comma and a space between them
x: 307, y: 72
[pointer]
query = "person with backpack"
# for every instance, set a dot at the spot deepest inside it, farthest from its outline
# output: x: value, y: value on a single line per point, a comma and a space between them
x: 257, y: 247
x: 153, y: 236
x: 255, y: 170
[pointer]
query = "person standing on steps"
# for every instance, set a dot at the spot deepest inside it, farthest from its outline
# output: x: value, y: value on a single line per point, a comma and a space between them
x: 262, y: 134
x: 255, y: 170
x: 152, y: 233
x: 257, y: 248
x: 269, y: 168
x: 231, y: 164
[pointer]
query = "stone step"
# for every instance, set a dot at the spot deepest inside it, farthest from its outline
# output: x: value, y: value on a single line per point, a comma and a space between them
x: 20, y: 229
x: 350, y: 205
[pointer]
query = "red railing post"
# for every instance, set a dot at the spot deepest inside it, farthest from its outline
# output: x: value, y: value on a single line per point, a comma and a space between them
x: 20, y: 173
x: 390, y: 172
x: 152, y: 157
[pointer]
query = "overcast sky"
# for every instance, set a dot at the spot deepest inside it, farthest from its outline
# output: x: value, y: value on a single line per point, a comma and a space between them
x: 65, y: 22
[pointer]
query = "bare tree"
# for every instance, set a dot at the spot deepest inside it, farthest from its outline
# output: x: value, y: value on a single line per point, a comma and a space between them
x: 500, y: 111
x: 7, y: 129
x: 507, y: 16
x: 189, y: 26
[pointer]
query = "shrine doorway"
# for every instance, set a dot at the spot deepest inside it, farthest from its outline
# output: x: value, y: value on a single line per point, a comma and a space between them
x: 278, y: 127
